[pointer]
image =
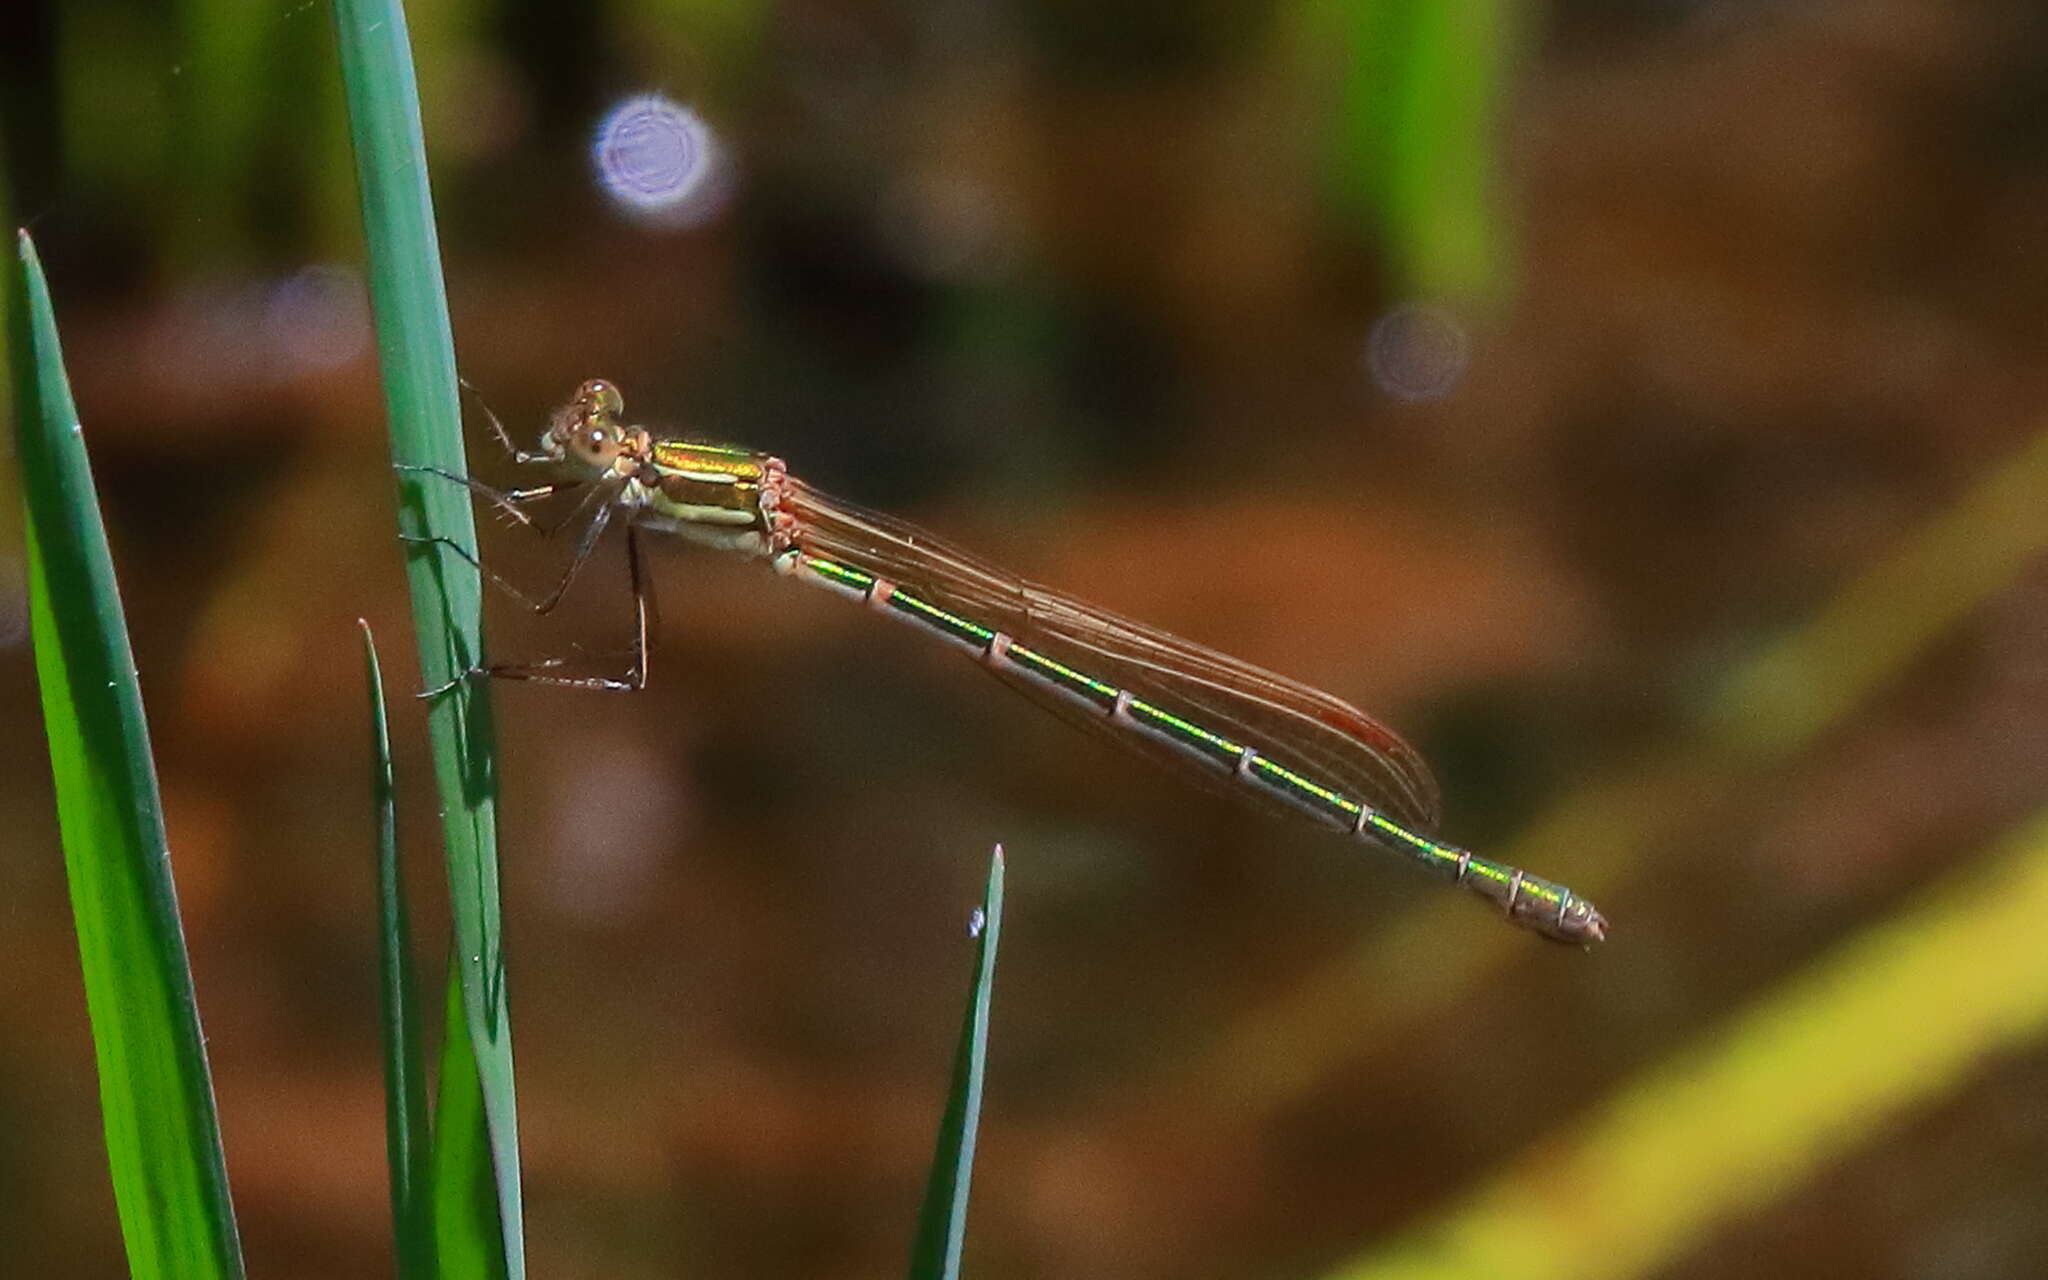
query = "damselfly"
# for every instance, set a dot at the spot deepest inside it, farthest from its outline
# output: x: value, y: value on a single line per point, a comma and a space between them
x: 1264, y: 737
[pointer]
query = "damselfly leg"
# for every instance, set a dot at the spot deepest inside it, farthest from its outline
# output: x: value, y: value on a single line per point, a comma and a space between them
x: 503, y: 437
x: 586, y: 545
x: 509, y: 502
x: 548, y: 670
x: 597, y: 501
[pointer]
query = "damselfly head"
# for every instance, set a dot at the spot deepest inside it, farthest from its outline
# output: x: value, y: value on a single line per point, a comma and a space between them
x: 587, y: 432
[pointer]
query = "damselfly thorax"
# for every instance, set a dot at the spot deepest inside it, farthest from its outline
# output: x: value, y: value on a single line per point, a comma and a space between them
x: 1260, y: 736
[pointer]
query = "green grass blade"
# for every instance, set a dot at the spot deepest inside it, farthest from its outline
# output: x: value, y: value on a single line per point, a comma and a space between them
x: 942, y: 1222
x: 417, y: 355
x: 1414, y: 143
x: 156, y: 1096
x: 407, y: 1144
x: 467, y: 1241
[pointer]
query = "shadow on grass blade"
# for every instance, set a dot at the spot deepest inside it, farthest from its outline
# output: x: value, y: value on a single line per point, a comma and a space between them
x: 156, y: 1096
x: 416, y: 354
x: 407, y: 1141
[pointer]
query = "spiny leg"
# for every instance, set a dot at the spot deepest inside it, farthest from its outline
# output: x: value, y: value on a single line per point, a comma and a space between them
x: 503, y: 436
x: 544, y: 672
x: 598, y: 494
x: 646, y: 615
x: 507, y: 501
x: 510, y: 503
x: 489, y: 575
x: 586, y: 546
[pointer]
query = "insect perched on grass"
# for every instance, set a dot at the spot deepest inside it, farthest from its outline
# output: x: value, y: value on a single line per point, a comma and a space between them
x: 1259, y: 735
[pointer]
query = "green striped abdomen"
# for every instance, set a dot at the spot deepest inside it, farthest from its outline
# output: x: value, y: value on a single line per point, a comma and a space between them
x: 1550, y: 909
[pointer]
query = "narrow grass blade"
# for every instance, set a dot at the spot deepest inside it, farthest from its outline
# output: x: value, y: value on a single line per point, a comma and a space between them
x: 408, y: 1146
x: 417, y: 355
x: 942, y: 1222
x: 156, y: 1096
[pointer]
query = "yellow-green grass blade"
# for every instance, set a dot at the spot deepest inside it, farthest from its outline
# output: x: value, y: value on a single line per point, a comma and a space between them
x: 1762, y: 713
x: 417, y: 356
x: 156, y: 1096
x: 467, y: 1242
x: 408, y: 1145
x: 942, y: 1222
x: 1893, y: 1019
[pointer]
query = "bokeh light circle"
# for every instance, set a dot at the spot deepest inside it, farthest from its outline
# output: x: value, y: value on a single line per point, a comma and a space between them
x: 1418, y: 352
x: 660, y: 162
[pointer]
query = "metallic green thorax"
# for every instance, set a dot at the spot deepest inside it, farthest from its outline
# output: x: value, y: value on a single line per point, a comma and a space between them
x: 707, y: 483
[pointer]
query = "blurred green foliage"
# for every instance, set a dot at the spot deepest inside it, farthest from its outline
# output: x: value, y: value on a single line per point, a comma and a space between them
x: 226, y: 120
x: 1711, y: 585
x: 1420, y: 88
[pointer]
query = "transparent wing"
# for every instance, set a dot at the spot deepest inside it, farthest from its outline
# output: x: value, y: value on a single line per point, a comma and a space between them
x: 1305, y: 729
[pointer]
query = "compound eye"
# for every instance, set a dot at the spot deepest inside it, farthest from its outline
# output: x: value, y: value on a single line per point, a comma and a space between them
x: 603, y: 397
x: 595, y: 439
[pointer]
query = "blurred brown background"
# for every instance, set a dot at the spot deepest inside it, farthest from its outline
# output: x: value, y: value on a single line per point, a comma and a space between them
x: 1523, y: 373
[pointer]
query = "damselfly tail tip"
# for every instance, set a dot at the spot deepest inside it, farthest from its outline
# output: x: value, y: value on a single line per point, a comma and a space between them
x: 1571, y: 919
x: 1589, y: 926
